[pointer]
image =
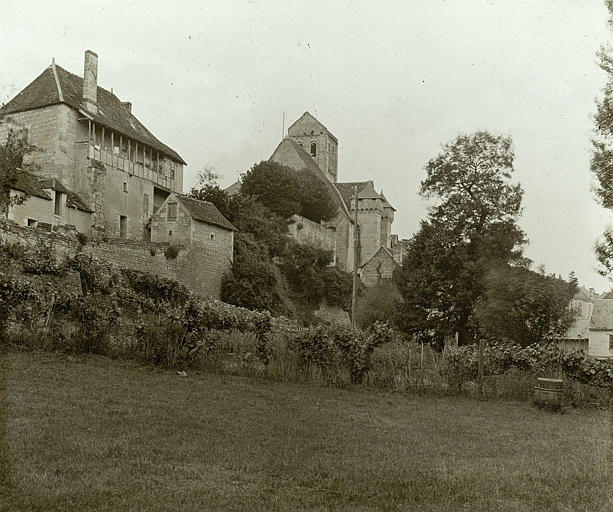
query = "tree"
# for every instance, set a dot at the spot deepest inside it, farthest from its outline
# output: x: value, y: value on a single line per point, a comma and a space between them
x: 288, y: 192
x: 469, y: 180
x: 601, y: 163
x: 524, y: 306
x: 471, y: 225
x: 14, y: 169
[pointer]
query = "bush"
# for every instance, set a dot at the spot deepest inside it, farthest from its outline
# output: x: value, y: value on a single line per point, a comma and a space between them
x: 171, y: 252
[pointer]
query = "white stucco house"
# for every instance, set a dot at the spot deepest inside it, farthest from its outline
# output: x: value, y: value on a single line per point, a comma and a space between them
x: 592, y: 330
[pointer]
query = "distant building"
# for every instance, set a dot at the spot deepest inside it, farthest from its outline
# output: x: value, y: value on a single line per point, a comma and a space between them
x: 310, y: 145
x: 592, y: 330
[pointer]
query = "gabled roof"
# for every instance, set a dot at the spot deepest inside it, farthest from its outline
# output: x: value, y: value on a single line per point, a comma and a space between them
x: 386, y: 252
x: 602, y: 315
x: 307, y: 114
x: 204, y: 211
x: 46, y: 90
x: 307, y: 162
x: 235, y: 188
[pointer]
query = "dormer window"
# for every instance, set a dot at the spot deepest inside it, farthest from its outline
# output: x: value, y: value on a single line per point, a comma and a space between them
x: 313, y: 149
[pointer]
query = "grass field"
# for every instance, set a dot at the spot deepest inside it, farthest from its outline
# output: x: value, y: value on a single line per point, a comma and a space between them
x: 90, y: 433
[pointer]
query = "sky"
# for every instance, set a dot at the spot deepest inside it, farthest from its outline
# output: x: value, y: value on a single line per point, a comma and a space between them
x: 393, y: 80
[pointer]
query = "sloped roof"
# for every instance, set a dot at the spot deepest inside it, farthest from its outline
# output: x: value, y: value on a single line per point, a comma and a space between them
x: 308, y: 114
x: 346, y: 190
x: 204, y: 211
x: 235, y: 188
x: 309, y: 163
x: 385, y: 251
x: 26, y: 182
x: 581, y: 326
x: 602, y: 315
x: 45, y: 90
x: 73, y: 200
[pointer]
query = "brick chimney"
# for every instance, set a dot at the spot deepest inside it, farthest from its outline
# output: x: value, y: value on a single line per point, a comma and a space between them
x: 90, y: 82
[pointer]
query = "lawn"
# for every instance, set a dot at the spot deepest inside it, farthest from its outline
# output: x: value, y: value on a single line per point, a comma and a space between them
x: 91, y: 433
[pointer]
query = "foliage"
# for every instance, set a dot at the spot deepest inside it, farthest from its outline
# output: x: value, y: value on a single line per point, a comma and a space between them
x: 471, y: 225
x: 154, y: 287
x: 378, y: 304
x: 287, y: 192
x: 312, y: 279
x: 461, y: 364
x: 252, y: 281
x: 171, y: 252
x: 524, y: 306
x: 96, y: 275
x: 35, y: 260
x: 14, y: 167
x: 601, y: 163
x: 470, y: 181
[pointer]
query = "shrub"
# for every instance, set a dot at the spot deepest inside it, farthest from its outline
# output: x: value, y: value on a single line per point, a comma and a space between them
x: 171, y: 252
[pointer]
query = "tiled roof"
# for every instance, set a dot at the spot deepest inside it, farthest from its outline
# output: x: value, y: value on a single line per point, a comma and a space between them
x: 73, y: 200
x: 309, y: 163
x: 581, y: 325
x: 602, y: 315
x: 43, y: 91
x: 28, y: 183
x: 204, y: 211
x: 346, y: 190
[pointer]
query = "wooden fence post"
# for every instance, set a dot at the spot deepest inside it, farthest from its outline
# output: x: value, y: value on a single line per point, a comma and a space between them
x: 480, y: 368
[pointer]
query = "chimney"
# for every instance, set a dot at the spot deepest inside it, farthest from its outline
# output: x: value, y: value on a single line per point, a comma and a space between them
x: 90, y: 82
x: 128, y: 105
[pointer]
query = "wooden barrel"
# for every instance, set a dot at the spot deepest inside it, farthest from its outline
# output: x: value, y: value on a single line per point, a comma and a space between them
x: 549, y: 392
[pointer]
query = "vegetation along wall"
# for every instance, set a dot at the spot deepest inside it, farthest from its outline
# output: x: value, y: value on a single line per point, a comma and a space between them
x: 199, y: 269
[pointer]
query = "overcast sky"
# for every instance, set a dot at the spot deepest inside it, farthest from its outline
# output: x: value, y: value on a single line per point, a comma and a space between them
x: 393, y: 80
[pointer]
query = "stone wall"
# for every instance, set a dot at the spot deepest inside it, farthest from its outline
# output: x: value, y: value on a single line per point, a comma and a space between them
x: 313, y: 233
x: 198, y: 267
x: 381, y: 266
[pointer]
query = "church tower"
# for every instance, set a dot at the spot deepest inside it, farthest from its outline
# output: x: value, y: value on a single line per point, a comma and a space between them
x: 318, y: 142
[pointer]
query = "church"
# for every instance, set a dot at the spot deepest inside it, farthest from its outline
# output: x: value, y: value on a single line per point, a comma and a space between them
x: 309, y: 144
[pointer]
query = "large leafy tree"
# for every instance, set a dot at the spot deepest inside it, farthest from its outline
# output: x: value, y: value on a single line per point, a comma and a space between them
x: 286, y: 191
x: 524, y: 306
x: 602, y: 155
x: 14, y: 168
x: 471, y: 224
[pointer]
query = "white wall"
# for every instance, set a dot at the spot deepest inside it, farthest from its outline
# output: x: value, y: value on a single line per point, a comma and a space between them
x: 599, y: 344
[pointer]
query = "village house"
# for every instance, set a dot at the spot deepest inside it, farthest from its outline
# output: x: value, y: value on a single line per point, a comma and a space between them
x: 592, y: 330
x: 101, y: 172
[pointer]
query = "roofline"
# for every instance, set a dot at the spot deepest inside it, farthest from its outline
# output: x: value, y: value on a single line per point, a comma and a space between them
x: 307, y: 112
x: 80, y: 111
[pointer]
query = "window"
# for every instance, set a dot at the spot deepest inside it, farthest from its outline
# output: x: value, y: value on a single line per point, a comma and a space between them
x: 123, y: 226
x: 125, y: 186
x: 610, y: 341
x: 172, y: 172
x: 58, y: 206
x: 313, y: 149
x: 212, y: 236
x: 172, y: 211
x: 32, y: 223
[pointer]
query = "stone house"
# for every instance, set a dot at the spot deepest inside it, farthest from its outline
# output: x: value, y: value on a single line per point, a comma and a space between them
x: 95, y: 148
x: 183, y: 222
